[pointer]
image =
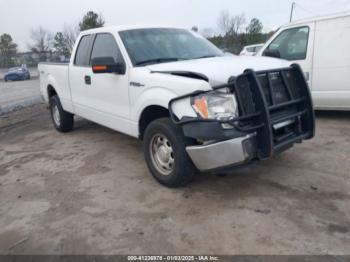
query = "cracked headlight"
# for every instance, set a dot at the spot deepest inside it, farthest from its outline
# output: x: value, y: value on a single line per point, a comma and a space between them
x: 219, y: 106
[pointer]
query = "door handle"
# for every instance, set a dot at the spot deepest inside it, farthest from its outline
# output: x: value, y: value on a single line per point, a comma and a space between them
x: 87, y: 80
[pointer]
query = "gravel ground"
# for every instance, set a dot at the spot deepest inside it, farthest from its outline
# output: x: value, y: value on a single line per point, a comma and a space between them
x: 18, y: 94
x: 89, y: 192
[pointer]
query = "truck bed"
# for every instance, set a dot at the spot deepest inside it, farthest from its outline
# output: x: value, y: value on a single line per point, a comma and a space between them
x: 58, y: 74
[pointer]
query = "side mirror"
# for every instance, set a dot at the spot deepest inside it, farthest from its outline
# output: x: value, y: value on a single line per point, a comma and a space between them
x: 272, y: 53
x: 101, y: 65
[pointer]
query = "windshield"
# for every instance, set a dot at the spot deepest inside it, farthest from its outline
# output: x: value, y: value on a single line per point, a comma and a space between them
x: 14, y: 69
x: 159, y: 45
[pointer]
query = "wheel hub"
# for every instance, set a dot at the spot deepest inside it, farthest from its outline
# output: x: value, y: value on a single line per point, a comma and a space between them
x: 162, y: 155
x: 56, y: 115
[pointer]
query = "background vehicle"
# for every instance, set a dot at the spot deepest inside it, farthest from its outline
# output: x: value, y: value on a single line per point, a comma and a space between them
x: 321, y: 46
x: 17, y: 74
x: 193, y: 107
x: 251, y: 50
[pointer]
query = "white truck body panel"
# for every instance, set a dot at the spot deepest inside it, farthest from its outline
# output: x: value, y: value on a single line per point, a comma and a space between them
x: 111, y: 101
x: 56, y: 77
x: 327, y: 62
x: 220, y: 69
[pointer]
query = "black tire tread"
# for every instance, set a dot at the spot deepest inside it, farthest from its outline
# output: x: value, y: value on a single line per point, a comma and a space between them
x: 184, y: 169
x: 67, y: 119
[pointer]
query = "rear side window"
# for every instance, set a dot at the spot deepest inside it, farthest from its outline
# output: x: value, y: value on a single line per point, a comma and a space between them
x: 82, y: 55
x: 106, y: 46
x: 291, y: 43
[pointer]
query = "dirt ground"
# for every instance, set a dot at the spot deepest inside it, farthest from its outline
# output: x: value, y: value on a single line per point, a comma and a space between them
x: 19, y: 94
x: 89, y: 192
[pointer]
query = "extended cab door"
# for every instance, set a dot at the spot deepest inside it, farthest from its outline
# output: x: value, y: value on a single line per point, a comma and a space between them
x: 79, y: 71
x: 102, y: 98
x: 295, y: 44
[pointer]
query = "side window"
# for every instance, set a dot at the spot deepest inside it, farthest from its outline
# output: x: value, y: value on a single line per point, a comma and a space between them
x: 106, y: 46
x: 257, y: 49
x: 82, y: 54
x: 291, y: 44
x: 250, y: 49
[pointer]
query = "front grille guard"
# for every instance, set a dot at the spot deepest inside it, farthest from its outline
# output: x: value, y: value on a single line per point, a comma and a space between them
x: 257, y: 115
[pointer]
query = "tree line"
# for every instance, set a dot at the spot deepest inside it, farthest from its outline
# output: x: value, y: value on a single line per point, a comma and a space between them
x: 45, y: 45
x: 233, y: 33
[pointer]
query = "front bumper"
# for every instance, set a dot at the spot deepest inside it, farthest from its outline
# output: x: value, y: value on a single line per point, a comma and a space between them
x: 223, y: 154
x: 274, y: 105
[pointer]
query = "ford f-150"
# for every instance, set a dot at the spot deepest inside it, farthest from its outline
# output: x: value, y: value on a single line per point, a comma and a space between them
x: 195, y: 107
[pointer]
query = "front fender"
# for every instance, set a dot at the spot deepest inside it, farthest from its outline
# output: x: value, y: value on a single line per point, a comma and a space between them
x: 155, y: 96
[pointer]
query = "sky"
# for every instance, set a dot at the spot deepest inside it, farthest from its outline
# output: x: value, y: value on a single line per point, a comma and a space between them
x: 19, y: 17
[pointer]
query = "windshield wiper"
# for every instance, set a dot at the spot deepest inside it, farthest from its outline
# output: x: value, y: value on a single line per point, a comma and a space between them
x: 205, y: 56
x: 158, y: 60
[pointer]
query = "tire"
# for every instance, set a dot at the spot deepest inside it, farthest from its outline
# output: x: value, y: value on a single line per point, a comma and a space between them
x: 179, y: 170
x: 62, y: 120
x: 5, y: 79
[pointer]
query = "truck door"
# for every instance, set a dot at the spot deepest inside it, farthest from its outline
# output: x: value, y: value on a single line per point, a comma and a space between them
x: 103, y: 98
x: 296, y: 45
x: 110, y: 91
x: 78, y: 69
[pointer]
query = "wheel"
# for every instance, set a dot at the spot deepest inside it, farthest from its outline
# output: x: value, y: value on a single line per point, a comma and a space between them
x: 62, y: 120
x: 165, y: 153
x: 5, y: 79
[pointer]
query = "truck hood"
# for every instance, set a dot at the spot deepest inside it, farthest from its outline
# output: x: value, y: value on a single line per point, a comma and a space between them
x: 218, y: 70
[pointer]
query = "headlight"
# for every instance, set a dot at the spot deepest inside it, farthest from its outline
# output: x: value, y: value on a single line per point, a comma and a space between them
x: 215, y: 106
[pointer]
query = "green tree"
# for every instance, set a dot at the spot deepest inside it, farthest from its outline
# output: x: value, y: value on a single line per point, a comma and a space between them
x: 8, y: 50
x: 60, y: 44
x: 254, y: 27
x: 253, y: 32
x: 91, y: 20
x: 70, y: 34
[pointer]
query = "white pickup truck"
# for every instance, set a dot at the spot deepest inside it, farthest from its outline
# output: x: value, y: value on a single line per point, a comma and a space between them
x: 195, y: 108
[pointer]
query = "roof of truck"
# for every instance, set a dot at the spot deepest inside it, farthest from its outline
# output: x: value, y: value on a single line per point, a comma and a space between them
x: 119, y: 28
x: 319, y: 18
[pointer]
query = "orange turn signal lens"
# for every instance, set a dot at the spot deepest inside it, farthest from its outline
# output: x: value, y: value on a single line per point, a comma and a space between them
x: 99, y: 68
x: 201, y: 107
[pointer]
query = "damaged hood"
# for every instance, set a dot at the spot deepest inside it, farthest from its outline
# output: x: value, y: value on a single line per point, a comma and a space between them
x: 218, y: 70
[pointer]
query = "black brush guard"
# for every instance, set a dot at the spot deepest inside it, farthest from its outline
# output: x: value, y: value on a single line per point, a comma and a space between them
x: 265, y: 100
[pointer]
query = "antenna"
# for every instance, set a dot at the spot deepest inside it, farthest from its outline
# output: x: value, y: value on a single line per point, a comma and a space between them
x: 292, y: 11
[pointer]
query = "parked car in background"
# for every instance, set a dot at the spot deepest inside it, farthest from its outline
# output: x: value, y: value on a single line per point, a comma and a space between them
x: 251, y: 50
x: 321, y: 47
x: 17, y: 74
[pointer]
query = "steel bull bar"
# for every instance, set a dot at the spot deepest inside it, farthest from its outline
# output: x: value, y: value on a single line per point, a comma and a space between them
x: 274, y: 105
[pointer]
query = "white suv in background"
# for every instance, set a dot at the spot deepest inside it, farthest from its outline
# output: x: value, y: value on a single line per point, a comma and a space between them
x: 251, y: 50
x: 321, y: 47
